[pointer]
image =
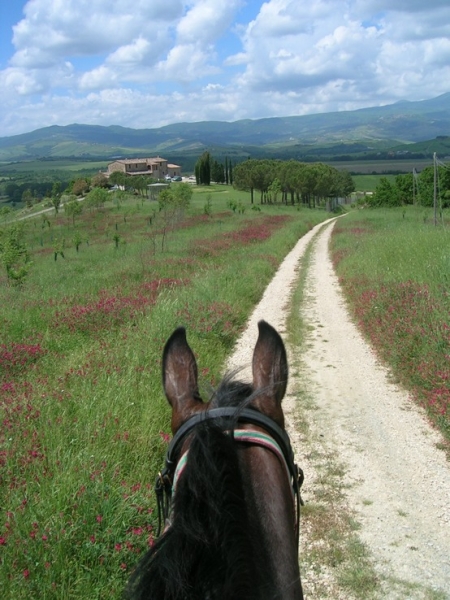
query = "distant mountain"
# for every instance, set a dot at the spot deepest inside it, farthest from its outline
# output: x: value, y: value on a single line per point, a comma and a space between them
x: 400, y: 123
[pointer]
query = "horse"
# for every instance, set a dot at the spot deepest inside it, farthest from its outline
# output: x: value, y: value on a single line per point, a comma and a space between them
x: 230, y: 488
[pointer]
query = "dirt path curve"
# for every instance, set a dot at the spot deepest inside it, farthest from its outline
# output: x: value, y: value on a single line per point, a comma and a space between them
x: 398, y: 482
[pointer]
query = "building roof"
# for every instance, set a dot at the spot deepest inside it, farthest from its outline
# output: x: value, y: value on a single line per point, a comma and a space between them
x: 149, y: 161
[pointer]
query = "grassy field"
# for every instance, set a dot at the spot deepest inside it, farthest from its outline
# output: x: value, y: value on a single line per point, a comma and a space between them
x: 60, y: 167
x: 84, y: 420
x: 394, y: 266
x: 368, y: 183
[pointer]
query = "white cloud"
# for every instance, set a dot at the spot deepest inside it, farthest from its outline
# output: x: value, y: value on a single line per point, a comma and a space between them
x: 206, y: 21
x: 326, y: 51
x: 405, y: 6
x: 134, y: 43
x: 134, y: 53
x: 22, y: 82
x: 100, y: 78
x: 54, y: 31
x: 187, y: 63
x: 237, y: 59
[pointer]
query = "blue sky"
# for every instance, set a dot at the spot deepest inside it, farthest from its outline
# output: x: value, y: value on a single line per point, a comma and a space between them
x: 149, y: 63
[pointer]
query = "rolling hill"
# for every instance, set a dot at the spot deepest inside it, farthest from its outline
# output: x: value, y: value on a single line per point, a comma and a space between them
x: 378, y: 127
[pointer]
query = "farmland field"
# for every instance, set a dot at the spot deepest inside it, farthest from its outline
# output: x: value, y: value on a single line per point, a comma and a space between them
x: 47, y: 166
x: 382, y: 166
x: 368, y: 183
x: 85, y: 423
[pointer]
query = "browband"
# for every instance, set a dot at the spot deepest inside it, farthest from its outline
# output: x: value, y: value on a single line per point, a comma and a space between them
x: 246, y: 415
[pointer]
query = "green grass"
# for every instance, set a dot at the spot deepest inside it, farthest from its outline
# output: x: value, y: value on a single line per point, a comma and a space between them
x: 85, y: 422
x: 368, y: 183
x: 51, y: 167
x: 394, y: 267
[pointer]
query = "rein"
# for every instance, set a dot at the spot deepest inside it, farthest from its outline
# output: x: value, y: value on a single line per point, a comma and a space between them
x: 276, y: 440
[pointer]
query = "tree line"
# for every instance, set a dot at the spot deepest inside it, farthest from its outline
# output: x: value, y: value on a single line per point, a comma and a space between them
x: 292, y: 181
x: 412, y: 188
x: 31, y: 192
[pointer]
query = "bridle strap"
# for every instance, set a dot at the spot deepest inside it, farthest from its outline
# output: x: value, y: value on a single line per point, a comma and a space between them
x: 230, y: 417
x: 246, y: 415
x: 254, y: 438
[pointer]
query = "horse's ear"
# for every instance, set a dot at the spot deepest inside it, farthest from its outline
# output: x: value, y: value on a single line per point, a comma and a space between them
x: 270, y: 372
x: 179, y: 372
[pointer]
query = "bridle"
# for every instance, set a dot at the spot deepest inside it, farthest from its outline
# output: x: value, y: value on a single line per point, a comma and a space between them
x: 275, y: 438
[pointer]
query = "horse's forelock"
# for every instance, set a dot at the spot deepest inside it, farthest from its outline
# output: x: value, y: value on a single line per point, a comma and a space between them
x: 210, y: 545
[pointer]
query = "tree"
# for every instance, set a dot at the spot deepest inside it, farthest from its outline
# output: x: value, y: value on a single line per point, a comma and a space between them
x: 80, y: 187
x: 217, y: 171
x: 58, y: 248
x: 141, y: 183
x: 253, y: 175
x: 99, y: 180
x: 97, y: 198
x: 386, y: 194
x: 13, y: 191
x: 118, y: 178
x: 73, y: 208
x: 242, y: 178
x: 227, y: 180
x: 172, y: 204
x: 27, y: 198
x: 77, y: 240
x: 274, y: 190
x: 426, y: 185
x: 404, y: 185
x: 182, y: 193
x: 203, y: 169
x: 261, y: 175
x: 56, y: 196
x: 14, y: 255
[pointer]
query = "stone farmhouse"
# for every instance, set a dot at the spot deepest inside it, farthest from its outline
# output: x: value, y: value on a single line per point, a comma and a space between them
x: 157, y: 167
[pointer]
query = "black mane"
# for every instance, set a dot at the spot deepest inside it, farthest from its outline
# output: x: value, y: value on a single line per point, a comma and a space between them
x: 213, y: 549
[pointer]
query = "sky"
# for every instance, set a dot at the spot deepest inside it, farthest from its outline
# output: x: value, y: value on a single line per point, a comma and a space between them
x: 148, y: 63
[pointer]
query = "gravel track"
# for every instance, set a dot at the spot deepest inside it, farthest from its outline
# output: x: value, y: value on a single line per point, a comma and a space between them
x: 397, y: 481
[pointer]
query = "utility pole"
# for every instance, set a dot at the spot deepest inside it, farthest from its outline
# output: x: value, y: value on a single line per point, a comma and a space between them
x: 435, y: 189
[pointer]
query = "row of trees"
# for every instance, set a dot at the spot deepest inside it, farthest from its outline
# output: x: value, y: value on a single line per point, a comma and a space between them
x: 31, y: 192
x: 209, y: 169
x: 414, y: 188
x: 292, y: 181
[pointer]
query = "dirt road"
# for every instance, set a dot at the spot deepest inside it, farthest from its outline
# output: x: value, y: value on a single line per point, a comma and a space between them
x: 397, y: 482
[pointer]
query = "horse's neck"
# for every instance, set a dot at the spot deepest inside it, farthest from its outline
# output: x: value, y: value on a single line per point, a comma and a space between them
x: 271, y: 509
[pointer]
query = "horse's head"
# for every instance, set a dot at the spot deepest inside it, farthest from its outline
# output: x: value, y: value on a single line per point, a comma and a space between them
x: 233, y: 524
